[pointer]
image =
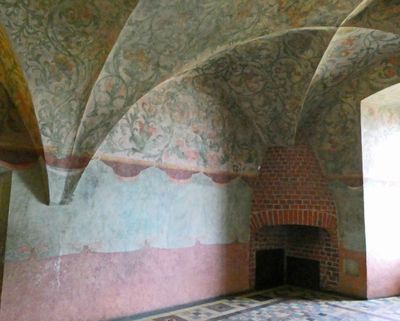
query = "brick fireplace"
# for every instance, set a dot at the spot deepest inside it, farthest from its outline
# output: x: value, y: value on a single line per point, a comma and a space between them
x: 293, y: 210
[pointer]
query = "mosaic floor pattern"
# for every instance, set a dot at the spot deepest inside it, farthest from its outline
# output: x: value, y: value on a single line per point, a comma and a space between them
x: 285, y: 303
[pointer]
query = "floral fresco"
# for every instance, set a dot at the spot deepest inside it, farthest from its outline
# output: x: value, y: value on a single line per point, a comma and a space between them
x: 162, y: 39
x: 221, y: 115
x: 195, y: 86
x: 376, y: 14
x: 365, y: 61
x: 61, y: 47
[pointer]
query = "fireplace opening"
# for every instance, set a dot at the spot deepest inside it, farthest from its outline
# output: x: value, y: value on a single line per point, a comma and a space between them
x: 297, y: 255
x: 302, y: 272
x: 273, y: 269
x: 270, y: 268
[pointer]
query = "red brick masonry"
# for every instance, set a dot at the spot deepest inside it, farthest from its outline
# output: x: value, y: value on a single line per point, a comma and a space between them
x: 291, y: 192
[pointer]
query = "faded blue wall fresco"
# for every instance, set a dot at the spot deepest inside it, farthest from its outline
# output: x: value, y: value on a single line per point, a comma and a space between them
x: 112, y: 215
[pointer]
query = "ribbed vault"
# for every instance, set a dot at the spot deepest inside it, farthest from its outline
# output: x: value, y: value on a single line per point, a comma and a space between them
x: 194, y: 85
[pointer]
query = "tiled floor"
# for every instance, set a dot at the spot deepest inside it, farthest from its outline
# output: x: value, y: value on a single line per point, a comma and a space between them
x: 285, y: 303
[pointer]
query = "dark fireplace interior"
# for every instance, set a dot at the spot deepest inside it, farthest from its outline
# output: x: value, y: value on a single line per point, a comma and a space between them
x: 296, y: 255
x: 274, y: 268
x: 270, y: 268
x: 302, y: 272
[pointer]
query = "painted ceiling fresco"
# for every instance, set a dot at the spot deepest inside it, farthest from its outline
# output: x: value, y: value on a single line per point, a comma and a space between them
x: 61, y: 47
x: 192, y: 86
x: 212, y: 117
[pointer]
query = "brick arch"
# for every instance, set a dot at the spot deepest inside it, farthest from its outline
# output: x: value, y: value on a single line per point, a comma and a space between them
x: 291, y: 189
x: 294, y: 217
x: 324, y: 249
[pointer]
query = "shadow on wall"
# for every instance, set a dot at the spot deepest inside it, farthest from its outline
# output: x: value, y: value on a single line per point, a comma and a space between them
x: 17, y: 149
x: 5, y: 187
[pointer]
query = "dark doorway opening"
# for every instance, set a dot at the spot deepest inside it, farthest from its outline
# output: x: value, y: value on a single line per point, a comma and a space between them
x: 302, y: 272
x: 270, y: 268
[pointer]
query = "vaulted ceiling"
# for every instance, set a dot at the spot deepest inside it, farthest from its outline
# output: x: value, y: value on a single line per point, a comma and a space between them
x: 189, y: 85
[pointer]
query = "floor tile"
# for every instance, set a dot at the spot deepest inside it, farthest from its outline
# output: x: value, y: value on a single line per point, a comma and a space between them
x: 287, y: 304
x: 220, y: 307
